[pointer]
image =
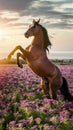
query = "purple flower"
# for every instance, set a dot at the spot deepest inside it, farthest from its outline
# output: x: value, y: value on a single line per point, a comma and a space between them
x: 26, y: 83
x: 2, y: 104
x: 52, y: 127
x: 2, y: 120
x: 16, y: 104
x: 71, y: 119
x: 63, y: 115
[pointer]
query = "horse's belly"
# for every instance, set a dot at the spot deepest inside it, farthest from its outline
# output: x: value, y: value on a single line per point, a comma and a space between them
x: 39, y: 69
x: 35, y: 68
x: 40, y: 72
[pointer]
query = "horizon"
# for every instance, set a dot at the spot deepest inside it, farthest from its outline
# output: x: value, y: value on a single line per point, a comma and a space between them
x: 57, y: 55
x: 56, y: 17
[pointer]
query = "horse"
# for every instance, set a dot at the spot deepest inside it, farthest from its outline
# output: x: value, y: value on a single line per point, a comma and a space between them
x: 36, y: 58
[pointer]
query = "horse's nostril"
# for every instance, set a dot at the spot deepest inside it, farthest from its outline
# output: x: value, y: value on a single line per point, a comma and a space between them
x: 25, y: 33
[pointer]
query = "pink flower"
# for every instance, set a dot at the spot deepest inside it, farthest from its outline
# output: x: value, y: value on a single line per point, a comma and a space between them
x: 38, y: 120
x: 20, y: 125
x: 12, y: 124
x: 34, y: 127
x: 30, y: 119
x: 46, y: 126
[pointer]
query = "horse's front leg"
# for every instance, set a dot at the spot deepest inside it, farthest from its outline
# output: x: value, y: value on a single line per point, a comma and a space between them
x: 24, y: 52
x: 18, y: 62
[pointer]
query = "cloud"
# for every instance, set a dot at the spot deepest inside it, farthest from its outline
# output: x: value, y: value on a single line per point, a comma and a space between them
x: 54, y: 10
x: 7, y: 20
x: 15, y: 5
x: 7, y: 17
x: 53, y: 14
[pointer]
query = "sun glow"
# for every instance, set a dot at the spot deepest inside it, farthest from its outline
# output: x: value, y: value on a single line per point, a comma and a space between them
x: 2, y: 33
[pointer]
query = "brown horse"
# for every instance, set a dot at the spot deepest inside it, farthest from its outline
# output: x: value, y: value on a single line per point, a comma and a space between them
x: 36, y: 58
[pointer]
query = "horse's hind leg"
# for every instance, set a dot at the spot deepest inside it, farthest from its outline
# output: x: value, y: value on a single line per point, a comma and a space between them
x: 53, y: 90
x: 45, y: 86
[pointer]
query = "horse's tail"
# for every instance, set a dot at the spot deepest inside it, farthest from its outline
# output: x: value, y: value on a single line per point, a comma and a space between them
x: 65, y: 91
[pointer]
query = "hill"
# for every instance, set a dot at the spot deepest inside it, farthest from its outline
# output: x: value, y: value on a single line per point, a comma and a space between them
x: 12, y: 61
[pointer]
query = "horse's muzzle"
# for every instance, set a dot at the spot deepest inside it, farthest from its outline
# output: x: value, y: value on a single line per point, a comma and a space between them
x: 26, y: 34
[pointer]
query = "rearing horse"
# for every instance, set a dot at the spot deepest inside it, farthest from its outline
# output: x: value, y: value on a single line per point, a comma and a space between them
x: 36, y: 58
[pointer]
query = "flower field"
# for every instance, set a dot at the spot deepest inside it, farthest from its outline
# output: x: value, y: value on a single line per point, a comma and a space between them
x: 23, y: 106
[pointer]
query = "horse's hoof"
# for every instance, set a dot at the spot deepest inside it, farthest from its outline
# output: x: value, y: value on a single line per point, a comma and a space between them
x: 20, y: 65
x: 47, y: 96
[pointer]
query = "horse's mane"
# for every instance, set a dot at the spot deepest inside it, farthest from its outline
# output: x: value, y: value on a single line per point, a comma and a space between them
x: 47, y: 42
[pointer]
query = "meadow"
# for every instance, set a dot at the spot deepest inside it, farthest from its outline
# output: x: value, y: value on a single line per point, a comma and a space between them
x: 23, y: 106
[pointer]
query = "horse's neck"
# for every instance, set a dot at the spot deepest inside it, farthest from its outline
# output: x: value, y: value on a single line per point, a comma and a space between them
x: 38, y: 41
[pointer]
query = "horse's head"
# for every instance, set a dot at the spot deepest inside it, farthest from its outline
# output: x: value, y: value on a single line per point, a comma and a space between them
x: 33, y: 29
x: 36, y: 29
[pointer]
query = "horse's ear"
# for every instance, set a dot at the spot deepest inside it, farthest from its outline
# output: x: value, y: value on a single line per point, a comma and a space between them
x: 38, y: 21
x: 33, y: 20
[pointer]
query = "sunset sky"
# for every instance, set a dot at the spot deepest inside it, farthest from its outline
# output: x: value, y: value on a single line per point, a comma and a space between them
x: 56, y: 16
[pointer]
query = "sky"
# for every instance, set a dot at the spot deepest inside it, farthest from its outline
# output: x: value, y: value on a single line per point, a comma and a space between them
x: 55, y: 15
